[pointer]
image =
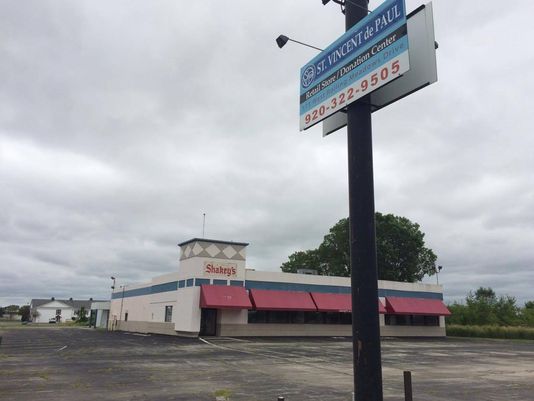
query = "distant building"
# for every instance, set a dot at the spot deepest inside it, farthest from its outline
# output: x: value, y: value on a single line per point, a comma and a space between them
x: 99, y: 314
x: 213, y: 294
x: 61, y: 310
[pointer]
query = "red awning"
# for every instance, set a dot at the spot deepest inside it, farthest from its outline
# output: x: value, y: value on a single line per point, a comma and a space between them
x: 381, y: 308
x: 328, y: 302
x: 416, y: 306
x: 224, y: 297
x: 282, y: 300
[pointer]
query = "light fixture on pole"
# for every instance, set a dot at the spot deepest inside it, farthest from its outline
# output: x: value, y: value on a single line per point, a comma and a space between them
x: 283, y: 39
x: 438, y: 269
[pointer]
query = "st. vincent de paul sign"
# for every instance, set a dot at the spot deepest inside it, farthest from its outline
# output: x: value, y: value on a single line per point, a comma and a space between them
x: 368, y: 56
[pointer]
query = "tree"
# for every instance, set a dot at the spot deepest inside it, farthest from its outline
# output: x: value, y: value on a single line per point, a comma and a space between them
x: 24, y: 312
x: 485, y: 295
x: 483, y: 307
x: 401, y: 251
x: 507, y: 311
x: 12, y: 309
x: 302, y: 260
x: 527, y: 314
x: 81, y: 314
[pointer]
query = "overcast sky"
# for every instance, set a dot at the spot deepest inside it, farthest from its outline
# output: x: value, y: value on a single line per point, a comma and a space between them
x: 122, y: 122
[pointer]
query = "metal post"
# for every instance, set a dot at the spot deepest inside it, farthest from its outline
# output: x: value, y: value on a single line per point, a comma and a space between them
x: 122, y: 302
x: 408, y: 386
x: 365, y: 320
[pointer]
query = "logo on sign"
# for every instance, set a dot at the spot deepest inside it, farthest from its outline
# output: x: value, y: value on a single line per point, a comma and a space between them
x: 227, y: 270
x: 308, y: 76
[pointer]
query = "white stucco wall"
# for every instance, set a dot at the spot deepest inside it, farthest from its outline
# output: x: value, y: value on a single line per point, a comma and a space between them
x: 158, y: 302
x: 48, y: 311
x: 232, y: 316
x: 188, y: 318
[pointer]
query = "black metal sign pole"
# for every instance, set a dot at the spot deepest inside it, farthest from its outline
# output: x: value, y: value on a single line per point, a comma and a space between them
x: 365, y: 320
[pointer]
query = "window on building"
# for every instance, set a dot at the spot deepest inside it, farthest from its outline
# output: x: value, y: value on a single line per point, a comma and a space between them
x: 168, y: 313
x: 58, y: 312
x: 431, y: 321
x: 411, y: 320
x: 294, y: 317
x: 313, y: 317
x: 126, y: 317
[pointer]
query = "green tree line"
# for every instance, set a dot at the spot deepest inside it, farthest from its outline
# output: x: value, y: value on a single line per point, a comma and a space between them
x: 484, y: 308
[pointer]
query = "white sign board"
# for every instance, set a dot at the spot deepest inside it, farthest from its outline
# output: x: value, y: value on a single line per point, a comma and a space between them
x: 369, y: 55
x: 423, y: 71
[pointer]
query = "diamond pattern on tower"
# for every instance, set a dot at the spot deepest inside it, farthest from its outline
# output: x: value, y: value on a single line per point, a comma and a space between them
x: 187, y: 251
x: 213, y: 250
x: 206, y: 249
x: 197, y: 249
x: 229, y: 252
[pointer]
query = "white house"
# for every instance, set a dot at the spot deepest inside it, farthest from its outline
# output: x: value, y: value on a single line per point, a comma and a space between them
x: 62, y: 310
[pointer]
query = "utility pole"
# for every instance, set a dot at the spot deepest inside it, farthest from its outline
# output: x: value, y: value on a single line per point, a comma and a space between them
x: 365, y: 319
x: 122, y: 303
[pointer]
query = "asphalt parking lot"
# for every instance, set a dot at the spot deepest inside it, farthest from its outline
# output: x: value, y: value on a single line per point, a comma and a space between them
x: 54, y: 363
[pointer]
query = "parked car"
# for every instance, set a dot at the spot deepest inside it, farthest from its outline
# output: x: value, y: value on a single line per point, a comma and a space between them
x: 52, y: 320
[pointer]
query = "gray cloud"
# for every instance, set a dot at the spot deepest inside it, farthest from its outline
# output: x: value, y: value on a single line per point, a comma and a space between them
x: 121, y: 123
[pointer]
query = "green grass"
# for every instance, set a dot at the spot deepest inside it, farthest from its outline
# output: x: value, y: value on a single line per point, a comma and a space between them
x: 223, y: 393
x: 517, y: 333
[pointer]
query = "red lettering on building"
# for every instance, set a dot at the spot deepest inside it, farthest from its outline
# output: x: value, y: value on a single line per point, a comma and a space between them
x: 213, y: 268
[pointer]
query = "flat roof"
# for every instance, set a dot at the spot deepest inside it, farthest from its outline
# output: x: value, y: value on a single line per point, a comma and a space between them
x: 216, y: 241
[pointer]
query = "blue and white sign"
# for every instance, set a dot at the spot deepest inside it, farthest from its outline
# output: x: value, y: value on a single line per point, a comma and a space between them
x: 366, y: 57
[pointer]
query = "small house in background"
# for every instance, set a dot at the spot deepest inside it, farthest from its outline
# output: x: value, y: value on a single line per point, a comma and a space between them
x: 53, y: 310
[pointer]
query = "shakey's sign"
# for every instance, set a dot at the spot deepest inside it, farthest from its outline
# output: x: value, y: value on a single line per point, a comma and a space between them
x: 227, y: 269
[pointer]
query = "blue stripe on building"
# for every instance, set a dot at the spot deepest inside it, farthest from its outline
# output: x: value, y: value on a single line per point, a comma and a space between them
x: 172, y: 286
x: 334, y: 289
x: 270, y: 285
x: 200, y: 281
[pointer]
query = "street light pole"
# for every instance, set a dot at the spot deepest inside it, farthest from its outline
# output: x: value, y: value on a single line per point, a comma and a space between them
x: 283, y: 39
x: 438, y: 269
x: 364, y: 278
x: 122, y: 302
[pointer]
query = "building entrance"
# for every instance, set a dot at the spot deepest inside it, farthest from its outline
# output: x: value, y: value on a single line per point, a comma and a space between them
x: 208, y: 322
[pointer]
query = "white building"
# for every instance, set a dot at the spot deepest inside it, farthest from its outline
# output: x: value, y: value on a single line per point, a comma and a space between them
x: 212, y: 293
x: 62, y: 310
x: 100, y: 314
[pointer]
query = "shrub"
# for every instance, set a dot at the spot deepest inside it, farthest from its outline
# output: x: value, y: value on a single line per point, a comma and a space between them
x: 506, y: 332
